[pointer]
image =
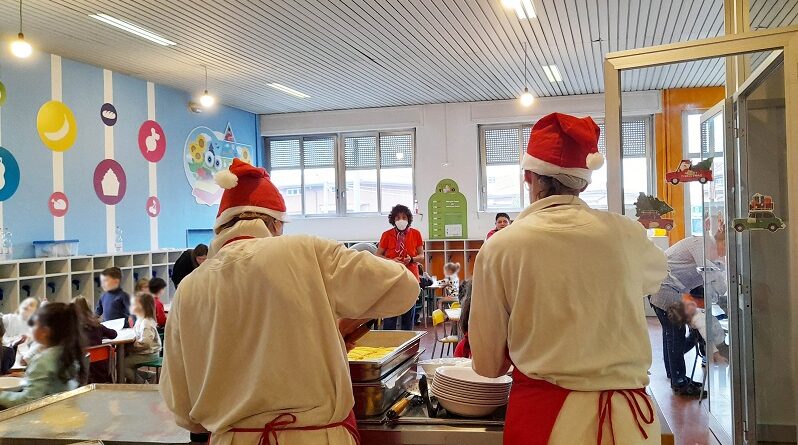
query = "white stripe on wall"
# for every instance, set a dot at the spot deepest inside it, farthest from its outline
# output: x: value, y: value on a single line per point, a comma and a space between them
x: 110, y: 211
x: 153, y: 170
x: 58, y: 157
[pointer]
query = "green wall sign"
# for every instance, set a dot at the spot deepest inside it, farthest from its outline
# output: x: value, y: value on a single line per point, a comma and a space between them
x: 448, y: 212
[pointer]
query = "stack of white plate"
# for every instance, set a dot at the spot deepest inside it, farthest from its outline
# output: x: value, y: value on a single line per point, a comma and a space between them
x: 465, y: 393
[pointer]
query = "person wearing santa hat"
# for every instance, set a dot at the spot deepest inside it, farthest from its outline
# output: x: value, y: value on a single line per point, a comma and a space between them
x: 253, y: 351
x: 558, y: 294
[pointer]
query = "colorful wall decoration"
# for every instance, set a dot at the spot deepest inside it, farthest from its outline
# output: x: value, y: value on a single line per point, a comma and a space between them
x: 205, y: 153
x: 33, y: 126
x: 448, y: 212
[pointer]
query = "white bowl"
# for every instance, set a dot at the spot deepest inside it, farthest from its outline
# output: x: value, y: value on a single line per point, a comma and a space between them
x: 468, y: 409
x: 470, y: 394
x: 470, y: 376
x: 474, y: 385
x: 431, y: 365
x: 10, y: 383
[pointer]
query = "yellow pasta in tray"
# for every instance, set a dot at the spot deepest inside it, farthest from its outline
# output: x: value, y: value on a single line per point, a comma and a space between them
x: 368, y: 353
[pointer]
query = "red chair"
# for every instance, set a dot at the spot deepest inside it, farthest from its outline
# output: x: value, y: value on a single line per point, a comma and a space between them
x: 100, y: 353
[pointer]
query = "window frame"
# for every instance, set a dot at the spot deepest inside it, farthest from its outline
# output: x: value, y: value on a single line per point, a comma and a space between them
x: 340, y: 167
x: 651, y: 162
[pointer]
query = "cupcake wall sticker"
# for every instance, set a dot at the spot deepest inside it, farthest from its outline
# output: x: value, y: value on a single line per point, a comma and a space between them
x: 110, y: 182
x: 207, y: 152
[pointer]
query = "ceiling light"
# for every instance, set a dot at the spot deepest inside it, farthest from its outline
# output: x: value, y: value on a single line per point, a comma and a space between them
x: 206, y: 100
x: 133, y: 29
x: 20, y: 47
x: 526, y: 97
x: 288, y: 90
x: 552, y: 73
x: 525, y: 10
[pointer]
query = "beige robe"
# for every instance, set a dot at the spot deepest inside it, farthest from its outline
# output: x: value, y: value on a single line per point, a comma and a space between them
x: 562, y: 289
x: 252, y: 333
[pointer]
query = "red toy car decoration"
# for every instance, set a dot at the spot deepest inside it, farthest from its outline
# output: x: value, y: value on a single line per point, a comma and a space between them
x: 652, y: 220
x: 687, y: 172
x: 649, y: 211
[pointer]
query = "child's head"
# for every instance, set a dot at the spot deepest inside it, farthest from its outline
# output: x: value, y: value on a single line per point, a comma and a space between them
x: 27, y: 308
x: 157, y: 286
x: 84, y: 308
x: 110, y: 278
x: 143, y: 285
x: 502, y: 220
x: 143, y: 305
x: 451, y: 268
x: 680, y: 313
x: 58, y: 324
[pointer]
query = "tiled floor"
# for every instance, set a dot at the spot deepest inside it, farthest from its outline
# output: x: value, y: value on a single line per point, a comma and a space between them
x: 687, y: 419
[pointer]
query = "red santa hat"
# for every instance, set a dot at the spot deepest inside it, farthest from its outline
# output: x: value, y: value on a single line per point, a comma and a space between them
x: 563, y: 144
x: 247, y: 189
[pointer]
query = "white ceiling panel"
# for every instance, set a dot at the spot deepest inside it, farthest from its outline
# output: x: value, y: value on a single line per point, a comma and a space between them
x: 375, y: 53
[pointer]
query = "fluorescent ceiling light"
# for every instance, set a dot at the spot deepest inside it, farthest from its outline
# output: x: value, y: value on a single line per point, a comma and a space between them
x: 525, y: 10
x: 288, y: 90
x: 133, y: 29
x: 553, y: 73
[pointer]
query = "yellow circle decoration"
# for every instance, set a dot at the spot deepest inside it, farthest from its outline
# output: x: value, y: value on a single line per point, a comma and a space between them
x: 56, y: 125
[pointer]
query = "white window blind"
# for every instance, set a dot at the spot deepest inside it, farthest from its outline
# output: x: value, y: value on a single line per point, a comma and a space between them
x: 502, y: 146
x: 285, y: 153
x: 319, y: 151
x: 360, y: 152
x: 396, y: 150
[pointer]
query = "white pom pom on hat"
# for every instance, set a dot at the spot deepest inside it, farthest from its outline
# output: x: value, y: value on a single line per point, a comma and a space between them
x: 594, y: 161
x: 226, y: 179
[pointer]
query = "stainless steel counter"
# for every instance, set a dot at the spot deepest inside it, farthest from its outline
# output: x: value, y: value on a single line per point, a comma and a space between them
x: 115, y: 414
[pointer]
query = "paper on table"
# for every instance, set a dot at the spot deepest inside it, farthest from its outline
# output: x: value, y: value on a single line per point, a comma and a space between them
x: 116, y: 324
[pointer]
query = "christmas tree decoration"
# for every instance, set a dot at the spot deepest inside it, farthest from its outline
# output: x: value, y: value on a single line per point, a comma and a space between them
x: 760, y: 215
x: 689, y: 172
x: 649, y: 211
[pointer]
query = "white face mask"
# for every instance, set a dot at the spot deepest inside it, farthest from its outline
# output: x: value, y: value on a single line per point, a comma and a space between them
x: 401, y: 224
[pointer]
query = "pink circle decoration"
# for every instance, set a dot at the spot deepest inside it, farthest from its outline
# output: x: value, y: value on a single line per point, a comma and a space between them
x: 152, y: 141
x: 110, y: 182
x: 153, y: 206
x: 58, y: 204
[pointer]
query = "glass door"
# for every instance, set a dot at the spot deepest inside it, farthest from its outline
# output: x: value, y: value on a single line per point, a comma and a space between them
x: 766, y: 288
x: 715, y: 124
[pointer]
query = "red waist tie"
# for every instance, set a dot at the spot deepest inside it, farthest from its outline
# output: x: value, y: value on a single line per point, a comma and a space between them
x: 283, y: 422
x: 535, y: 404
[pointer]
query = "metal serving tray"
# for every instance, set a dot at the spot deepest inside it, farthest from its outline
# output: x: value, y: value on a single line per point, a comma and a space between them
x: 374, y: 398
x: 406, y: 344
x: 115, y: 414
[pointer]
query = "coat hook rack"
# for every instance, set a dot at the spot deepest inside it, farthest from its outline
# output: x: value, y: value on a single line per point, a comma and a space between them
x: 76, y: 283
x: 97, y: 281
x: 135, y: 276
x: 26, y: 288
x: 51, y: 286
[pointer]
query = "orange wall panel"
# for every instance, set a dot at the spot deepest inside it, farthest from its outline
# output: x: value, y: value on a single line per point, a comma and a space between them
x: 668, y: 133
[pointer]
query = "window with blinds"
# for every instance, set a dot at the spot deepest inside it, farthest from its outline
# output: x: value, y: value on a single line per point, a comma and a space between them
x: 343, y: 173
x: 502, y: 146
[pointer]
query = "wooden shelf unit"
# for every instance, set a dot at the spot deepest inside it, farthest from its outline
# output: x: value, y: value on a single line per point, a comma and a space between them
x: 63, y: 278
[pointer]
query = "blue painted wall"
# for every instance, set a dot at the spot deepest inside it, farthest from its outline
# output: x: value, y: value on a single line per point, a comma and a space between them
x: 26, y: 213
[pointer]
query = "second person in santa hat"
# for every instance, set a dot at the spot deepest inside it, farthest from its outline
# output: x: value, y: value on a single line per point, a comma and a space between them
x: 559, y: 295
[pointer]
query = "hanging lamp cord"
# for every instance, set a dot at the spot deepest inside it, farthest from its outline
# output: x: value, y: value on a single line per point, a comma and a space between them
x: 20, y: 16
x: 206, y: 76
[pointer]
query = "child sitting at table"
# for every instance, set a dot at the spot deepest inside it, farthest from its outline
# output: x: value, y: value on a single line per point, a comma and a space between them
x: 147, y: 344
x: 16, y: 324
x: 451, y: 282
x: 60, y: 366
x: 157, y: 288
x: 463, y: 348
x: 688, y: 313
x: 94, y: 333
x: 8, y: 355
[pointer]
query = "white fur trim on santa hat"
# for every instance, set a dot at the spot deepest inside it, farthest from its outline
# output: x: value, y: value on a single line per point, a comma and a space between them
x: 544, y: 168
x: 232, y: 212
x: 594, y: 161
x: 226, y: 179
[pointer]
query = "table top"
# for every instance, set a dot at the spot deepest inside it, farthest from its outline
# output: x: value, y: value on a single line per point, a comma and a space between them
x: 125, y: 335
x: 454, y: 314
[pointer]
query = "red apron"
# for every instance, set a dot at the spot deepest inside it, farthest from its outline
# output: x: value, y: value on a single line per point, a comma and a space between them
x: 284, y: 421
x: 535, y: 404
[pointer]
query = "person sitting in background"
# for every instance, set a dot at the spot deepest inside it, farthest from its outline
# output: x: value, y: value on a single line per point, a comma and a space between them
x: 114, y: 302
x: 16, y: 324
x: 688, y: 313
x: 157, y: 288
x: 451, y: 282
x: 60, y: 366
x: 502, y: 221
x: 463, y: 348
x: 187, y: 262
x: 142, y: 285
x: 147, y: 345
x: 8, y: 355
x: 94, y: 333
